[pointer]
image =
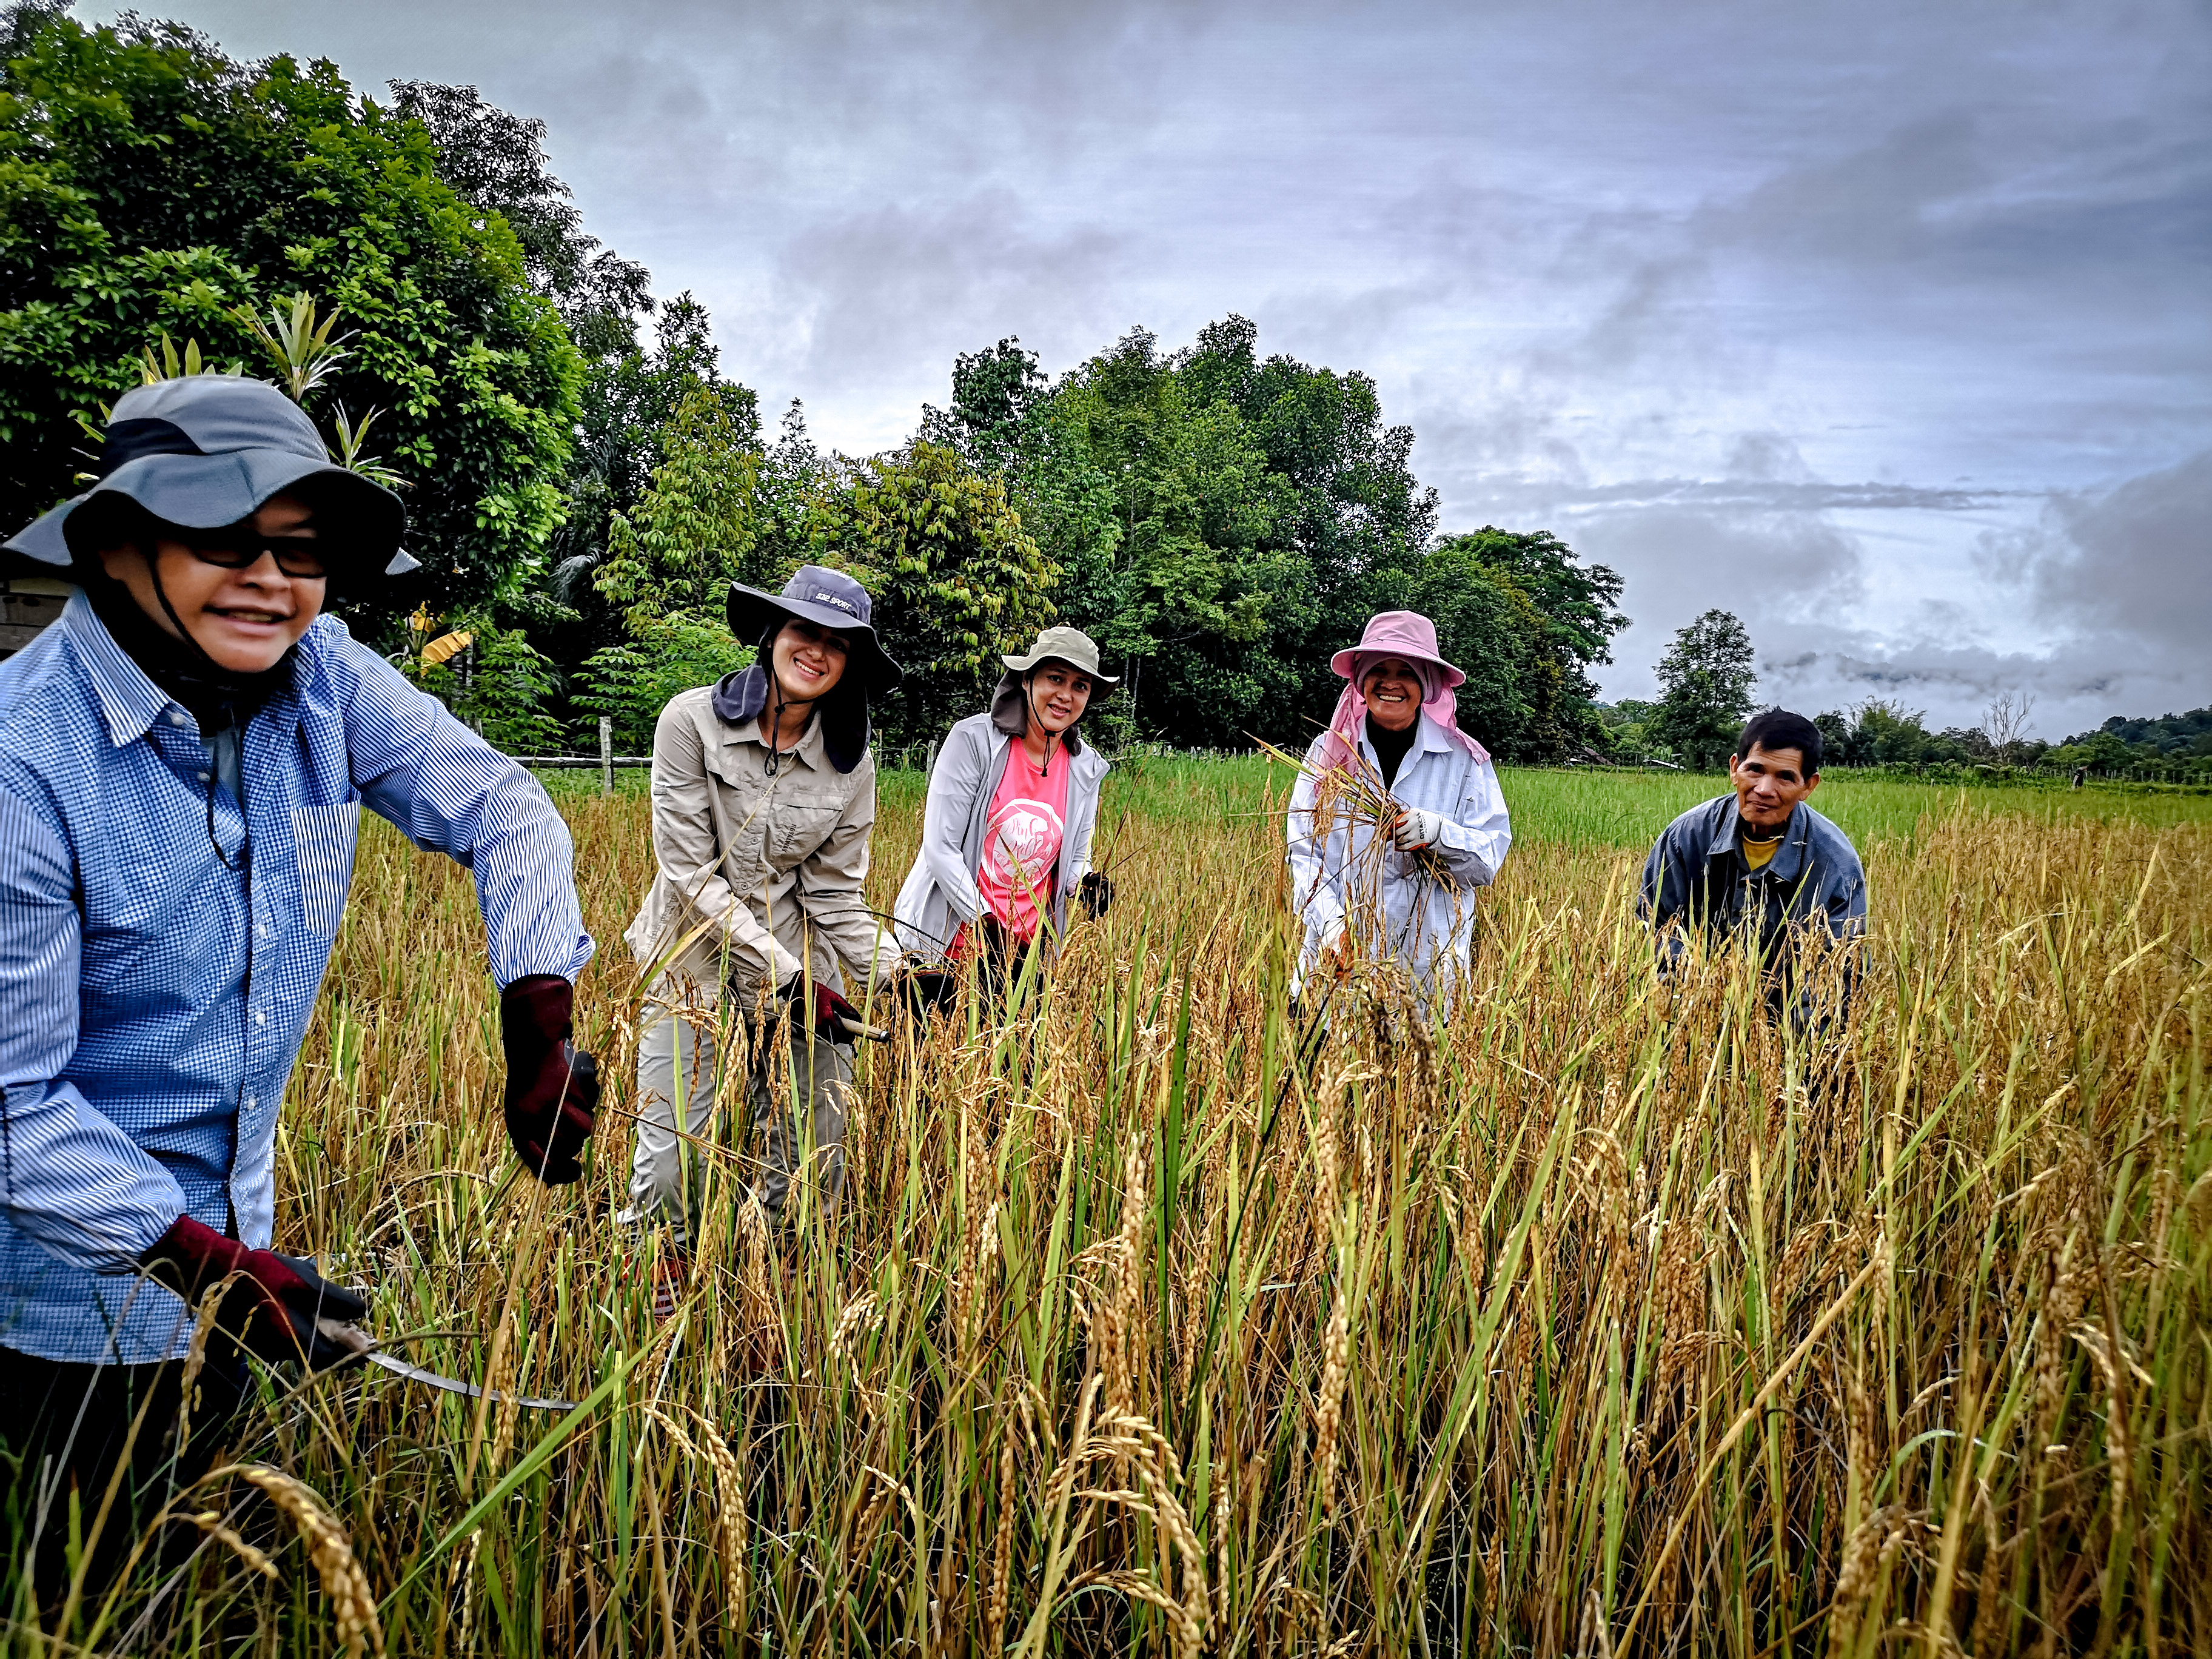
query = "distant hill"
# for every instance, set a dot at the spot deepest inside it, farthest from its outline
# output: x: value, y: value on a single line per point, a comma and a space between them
x: 2169, y: 734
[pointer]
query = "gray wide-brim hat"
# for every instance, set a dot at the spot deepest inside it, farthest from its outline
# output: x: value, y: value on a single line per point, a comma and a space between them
x: 827, y: 598
x: 203, y: 450
x: 1069, y: 645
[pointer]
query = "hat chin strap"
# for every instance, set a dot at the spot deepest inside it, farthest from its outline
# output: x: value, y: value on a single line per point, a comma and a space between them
x: 777, y: 703
x: 215, y: 672
x: 1051, y: 737
x: 153, y: 575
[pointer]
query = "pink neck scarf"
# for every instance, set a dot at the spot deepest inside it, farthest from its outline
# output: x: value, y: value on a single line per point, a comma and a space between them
x: 1437, y: 702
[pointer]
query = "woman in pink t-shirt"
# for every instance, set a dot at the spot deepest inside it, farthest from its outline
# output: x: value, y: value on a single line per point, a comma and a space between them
x: 1013, y: 798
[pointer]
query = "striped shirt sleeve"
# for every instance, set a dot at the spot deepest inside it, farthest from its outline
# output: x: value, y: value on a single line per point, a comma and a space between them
x: 69, y: 1177
x: 449, y: 791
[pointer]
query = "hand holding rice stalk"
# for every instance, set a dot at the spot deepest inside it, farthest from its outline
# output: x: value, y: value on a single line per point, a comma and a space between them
x: 1353, y: 786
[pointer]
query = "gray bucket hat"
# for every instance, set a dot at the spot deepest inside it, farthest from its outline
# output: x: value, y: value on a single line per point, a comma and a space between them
x: 1069, y: 645
x: 203, y: 450
x: 827, y: 598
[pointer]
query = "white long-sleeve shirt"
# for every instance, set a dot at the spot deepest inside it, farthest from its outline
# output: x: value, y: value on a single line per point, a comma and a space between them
x: 1413, y: 908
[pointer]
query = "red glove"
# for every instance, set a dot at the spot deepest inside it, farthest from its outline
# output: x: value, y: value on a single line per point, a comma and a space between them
x: 834, y: 1018
x: 272, y: 1307
x: 552, y: 1085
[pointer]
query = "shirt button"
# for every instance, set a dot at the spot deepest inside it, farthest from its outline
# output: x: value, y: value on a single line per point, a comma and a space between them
x: 176, y: 717
x: 202, y: 776
x: 260, y: 1016
x: 252, y: 1101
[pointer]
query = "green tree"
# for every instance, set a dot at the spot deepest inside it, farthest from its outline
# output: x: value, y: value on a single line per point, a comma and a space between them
x: 1568, y: 614
x: 956, y: 579
x: 495, y: 162
x: 1705, y: 681
x: 1887, y: 733
x: 670, y: 561
x: 1221, y: 520
x: 500, y: 684
x: 696, y: 529
x: 1486, y: 625
x: 149, y: 184
x: 633, y: 681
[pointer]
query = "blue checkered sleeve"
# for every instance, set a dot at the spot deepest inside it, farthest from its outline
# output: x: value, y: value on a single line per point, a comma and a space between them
x: 68, y: 1176
x: 450, y: 792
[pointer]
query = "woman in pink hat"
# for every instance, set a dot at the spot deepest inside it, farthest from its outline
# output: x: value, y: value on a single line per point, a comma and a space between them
x: 1395, y: 884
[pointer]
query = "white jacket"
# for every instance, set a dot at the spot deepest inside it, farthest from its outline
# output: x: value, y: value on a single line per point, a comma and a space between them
x: 1414, y: 908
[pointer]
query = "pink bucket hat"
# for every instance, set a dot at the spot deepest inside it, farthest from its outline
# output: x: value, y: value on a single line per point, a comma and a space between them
x: 1405, y: 634
x: 1409, y: 634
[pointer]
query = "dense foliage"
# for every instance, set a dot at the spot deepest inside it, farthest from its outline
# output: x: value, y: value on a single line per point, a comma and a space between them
x: 956, y: 580
x: 149, y: 184
x: 1225, y: 522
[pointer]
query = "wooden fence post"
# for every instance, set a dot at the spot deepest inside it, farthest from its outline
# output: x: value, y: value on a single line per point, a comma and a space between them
x: 606, y: 755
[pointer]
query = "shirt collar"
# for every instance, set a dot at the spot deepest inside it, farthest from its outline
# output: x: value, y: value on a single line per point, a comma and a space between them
x: 129, y: 702
x: 1428, y: 737
x: 808, y: 748
x: 1788, y: 858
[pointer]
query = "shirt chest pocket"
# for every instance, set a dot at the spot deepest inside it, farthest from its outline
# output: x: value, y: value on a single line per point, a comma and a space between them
x: 325, y: 837
x: 796, y: 831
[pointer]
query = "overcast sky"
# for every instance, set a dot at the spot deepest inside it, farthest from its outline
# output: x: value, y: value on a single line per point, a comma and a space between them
x: 1884, y: 325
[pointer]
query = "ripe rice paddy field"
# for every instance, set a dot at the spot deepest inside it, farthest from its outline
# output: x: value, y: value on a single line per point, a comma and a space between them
x: 1159, y: 1321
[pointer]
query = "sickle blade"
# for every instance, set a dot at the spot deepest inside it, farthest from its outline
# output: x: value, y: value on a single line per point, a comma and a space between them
x: 353, y: 1337
x: 454, y: 1385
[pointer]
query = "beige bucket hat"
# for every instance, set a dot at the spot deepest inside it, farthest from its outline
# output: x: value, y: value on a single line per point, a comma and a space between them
x: 1069, y: 645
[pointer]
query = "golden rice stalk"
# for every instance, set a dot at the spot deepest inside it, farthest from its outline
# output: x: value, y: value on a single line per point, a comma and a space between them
x: 328, y: 1547
x: 1190, y: 1634
x: 215, y: 1528
x: 1336, y: 1352
x: 729, y: 1512
x: 1002, y: 1555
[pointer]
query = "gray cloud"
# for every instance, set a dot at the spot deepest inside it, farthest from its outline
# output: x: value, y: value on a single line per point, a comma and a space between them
x: 2136, y: 563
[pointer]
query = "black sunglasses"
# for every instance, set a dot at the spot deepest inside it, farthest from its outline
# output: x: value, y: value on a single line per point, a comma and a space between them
x: 239, y: 548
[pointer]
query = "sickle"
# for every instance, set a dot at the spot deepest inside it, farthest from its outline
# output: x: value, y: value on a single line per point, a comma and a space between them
x: 356, y: 1341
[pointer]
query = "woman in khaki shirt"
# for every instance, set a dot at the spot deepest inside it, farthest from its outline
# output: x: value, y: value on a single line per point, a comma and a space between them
x: 763, y: 796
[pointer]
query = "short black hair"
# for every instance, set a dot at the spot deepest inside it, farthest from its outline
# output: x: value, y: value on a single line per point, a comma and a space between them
x: 1777, y: 729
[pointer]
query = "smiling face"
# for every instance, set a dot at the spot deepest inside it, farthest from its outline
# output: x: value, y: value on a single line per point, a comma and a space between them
x: 245, y: 620
x: 1392, y: 691
x: 1769, y: 784
x: 1058, y: 693
x: 807, y: 660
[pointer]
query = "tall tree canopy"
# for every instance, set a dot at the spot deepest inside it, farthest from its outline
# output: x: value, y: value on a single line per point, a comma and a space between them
x: 956, y: 580
x: 1225, y: 522
x: 1705, y: 682
x: 149, y: 184
x: 1217, y: 516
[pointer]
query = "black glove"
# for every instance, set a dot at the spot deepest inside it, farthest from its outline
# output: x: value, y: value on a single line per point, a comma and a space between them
x: 924, y: 990
x: 1094, y: 893
x: 271, y: 1308
x: 552, y: 1085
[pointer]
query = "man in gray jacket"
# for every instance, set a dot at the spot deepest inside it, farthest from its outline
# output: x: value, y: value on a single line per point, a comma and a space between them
x: 763, y: 797
x: 1759, y: 864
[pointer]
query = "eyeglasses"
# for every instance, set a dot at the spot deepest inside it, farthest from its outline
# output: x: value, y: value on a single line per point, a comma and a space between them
x: 240, y: 549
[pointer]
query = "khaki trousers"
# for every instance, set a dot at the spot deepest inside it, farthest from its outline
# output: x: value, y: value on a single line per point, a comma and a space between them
x: 797, y: 1086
